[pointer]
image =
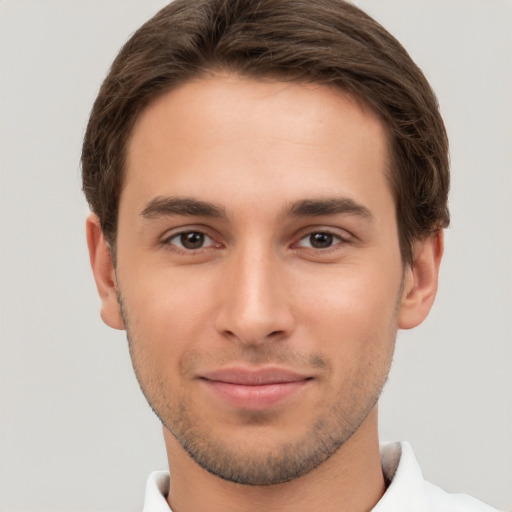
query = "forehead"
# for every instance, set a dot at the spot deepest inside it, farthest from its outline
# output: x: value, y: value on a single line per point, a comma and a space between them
x: 225, y: 135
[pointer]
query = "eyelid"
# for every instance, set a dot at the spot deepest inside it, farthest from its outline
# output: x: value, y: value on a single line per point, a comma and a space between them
x: 340, y: 233
x: 178, y: 235
x: 339, y: 238
x: 170, y: 234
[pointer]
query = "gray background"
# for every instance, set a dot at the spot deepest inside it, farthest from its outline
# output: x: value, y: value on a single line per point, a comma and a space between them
x: 75, y: 432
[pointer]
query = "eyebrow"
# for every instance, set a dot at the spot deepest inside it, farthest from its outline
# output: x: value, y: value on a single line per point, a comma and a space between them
x: 166, y: 206
x: 188, y: 207
x: 332, y: 206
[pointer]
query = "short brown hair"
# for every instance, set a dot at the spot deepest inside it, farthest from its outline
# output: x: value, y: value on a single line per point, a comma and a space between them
x: 328, y: 42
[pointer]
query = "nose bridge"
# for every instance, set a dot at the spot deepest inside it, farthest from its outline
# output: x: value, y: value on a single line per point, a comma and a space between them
x: 255, y: 306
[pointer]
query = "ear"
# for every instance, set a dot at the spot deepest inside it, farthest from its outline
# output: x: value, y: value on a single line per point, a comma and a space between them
x: 104, y: 273
x: 420, y: 281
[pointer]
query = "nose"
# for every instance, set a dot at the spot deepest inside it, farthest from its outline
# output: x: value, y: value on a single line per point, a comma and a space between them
x: 256, y: 303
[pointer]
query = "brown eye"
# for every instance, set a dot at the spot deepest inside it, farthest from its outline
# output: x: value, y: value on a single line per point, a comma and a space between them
x: 192, y: 240
x: 320, y: 240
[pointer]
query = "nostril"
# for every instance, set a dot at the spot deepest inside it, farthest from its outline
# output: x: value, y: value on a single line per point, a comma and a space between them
x: 252, y: 338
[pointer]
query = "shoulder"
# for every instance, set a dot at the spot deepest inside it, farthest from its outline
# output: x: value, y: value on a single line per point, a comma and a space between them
x: 440, y: 500
x: 407, y: 490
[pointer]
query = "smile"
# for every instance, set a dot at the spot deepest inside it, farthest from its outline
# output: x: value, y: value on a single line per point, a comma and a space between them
x: 254, y: 390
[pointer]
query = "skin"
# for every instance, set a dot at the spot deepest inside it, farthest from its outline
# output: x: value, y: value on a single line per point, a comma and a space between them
x: 272, y: 283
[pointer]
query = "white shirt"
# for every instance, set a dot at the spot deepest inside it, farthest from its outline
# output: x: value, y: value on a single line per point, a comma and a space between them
x: 407, y: 490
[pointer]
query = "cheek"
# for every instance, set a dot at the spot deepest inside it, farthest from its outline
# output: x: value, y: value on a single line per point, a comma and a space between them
x: 355, y: 309
x: 167, y: 310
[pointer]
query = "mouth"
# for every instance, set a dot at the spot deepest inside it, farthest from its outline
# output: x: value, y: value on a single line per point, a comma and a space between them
x: 254, y: 389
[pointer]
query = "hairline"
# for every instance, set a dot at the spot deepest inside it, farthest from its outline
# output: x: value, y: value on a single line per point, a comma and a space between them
x: 219, y: 70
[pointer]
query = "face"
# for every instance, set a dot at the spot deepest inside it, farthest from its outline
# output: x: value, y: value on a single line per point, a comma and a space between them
x: 259, y: 271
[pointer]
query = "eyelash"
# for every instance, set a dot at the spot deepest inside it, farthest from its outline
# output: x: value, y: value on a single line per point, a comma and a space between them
x: 336, y: 241
x: 173, y: 247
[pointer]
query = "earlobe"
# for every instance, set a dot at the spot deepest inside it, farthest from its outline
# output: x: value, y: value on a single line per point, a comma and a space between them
x: 104, y: 273
x: 420, y: 281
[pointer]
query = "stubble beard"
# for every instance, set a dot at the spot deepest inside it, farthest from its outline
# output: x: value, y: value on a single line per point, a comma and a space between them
x: 283, y: 463
x: 257, y: 467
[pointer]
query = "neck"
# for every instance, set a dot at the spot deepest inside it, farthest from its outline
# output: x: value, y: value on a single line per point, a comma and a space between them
x: 350, y: 480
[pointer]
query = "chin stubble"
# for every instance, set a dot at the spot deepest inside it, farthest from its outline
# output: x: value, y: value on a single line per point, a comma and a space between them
x: 236, y: 464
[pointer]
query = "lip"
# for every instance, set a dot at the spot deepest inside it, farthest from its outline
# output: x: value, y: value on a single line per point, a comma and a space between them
x: 254, y: 389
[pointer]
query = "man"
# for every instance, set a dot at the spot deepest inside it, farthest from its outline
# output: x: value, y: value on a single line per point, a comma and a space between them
x: 268, y: 181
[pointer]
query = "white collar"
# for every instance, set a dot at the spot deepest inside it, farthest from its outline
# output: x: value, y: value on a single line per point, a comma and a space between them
x: 407, y: 490
x: 403, y: 476
x: 157, y: 488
